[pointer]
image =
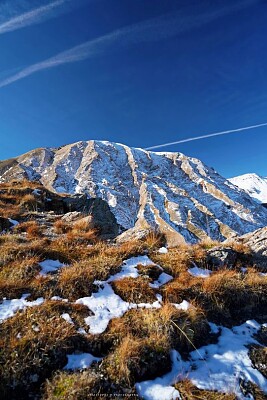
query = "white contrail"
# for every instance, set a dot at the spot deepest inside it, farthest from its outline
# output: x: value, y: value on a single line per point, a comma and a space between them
x: 32, y: 17
x: 150, y: 30
x: 246, y: 128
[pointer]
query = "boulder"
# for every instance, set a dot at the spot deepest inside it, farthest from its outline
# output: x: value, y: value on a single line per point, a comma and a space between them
x: 222, y: 256
x: 102, y: 218
x: 72, y: 216
x: 257, y: 241
x: 93, y: 213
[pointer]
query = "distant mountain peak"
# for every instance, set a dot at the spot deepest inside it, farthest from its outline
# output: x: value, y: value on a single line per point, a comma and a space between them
x: 178, y: 194
x: 253, y: 184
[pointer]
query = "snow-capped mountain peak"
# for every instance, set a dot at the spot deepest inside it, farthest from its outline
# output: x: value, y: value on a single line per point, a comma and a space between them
x: 178, y: 194
x: 253, y: 184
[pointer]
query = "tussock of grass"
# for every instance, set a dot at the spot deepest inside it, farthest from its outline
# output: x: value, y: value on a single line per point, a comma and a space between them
x: 190, y: 392
x: 134, y: 290
x: 136, y: 359
x: 61, y: 227
x: 176, y: 328
x: 34, y: 343
x: 229, y: 297
x: 84, y: 385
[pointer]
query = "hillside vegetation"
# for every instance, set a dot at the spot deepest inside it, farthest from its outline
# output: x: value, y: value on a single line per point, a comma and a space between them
x: 82, y: 317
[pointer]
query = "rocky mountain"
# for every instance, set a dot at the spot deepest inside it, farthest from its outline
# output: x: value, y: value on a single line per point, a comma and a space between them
x: 253, y: 184
x: 185, y: 198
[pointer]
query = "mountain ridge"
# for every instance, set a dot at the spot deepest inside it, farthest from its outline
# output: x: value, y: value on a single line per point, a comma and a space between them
x: 182, y: 196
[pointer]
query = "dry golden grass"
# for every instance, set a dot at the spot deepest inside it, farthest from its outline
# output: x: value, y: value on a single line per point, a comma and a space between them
x: 240, y: 247
x: 134, y: 290
x: 175, y: 261
x: 35, y: 343
x: 190, y: 392
x: 176, y: 328
x: 61, y: 227
x: 184, y: 287
x: 84, y: 385
x: 137, y: 359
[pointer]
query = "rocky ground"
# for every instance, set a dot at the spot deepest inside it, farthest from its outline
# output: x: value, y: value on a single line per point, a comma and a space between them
x: 83, y: 315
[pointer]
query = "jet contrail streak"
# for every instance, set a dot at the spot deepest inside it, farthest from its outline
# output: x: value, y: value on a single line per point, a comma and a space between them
x: 246, y: 128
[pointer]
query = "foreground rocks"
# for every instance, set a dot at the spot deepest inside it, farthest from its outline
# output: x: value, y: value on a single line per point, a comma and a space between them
x: 257, y: 242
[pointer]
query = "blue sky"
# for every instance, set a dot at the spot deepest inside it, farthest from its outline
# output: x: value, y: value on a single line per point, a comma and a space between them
x: 138, y: 72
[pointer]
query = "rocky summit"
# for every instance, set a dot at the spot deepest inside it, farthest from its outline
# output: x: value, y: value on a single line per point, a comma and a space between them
x: 179, y: 195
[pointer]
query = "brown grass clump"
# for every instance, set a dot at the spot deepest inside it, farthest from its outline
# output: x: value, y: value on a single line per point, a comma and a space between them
x: 32, y: 228
x: 61, y: 227
x: 190, y: 392
x: 76, y: 281
x: 79, y: 236
x: 34, y: 343
x: 134, y: 290
x: 182, y: 330
x: 209, y: 243
x: 15, y: 276
x: 84, y: 385
x: 137, y: 359
x: 239, y: 246
x: 154, y: 240
x: 177, y: 259
x: 184, y: 287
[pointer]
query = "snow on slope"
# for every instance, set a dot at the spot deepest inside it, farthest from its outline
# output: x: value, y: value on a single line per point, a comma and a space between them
x: 253, y: 184
x: 186, y: 199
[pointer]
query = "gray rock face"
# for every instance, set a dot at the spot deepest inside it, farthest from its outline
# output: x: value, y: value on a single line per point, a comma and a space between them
x: 257, y: 241
x: 72, y: 216
x: 219, y: 257
x: 102, y: 218
x: 170, y: 192
x: 93, y: 213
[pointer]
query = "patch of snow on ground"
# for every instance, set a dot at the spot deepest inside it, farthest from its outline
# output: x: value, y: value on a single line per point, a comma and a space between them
x: 199, y: 272
x: 50, y: 266
x: 8, y: 308
x: 13, y: 221
x: 80, y: 361
x: 105, y: 305
x: 37, y: 192
x: 129, y: 268
x: 215, y: 367
x: 161, y: 388
x: 163, y: 250
x: 185, y: 305
x: 67, y: 318
x: 163, y: 278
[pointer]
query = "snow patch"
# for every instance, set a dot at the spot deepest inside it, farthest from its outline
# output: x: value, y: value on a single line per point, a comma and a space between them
x: 80, y: 361
x: 163, y: 250
x: 199, y: 272
x: 8, y: 308
x: 50, y: 266
x: 216, y: 367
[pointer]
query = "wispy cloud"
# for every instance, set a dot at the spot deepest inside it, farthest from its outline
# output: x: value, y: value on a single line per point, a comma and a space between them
x: 155, y: 29
x: 32, y: 16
